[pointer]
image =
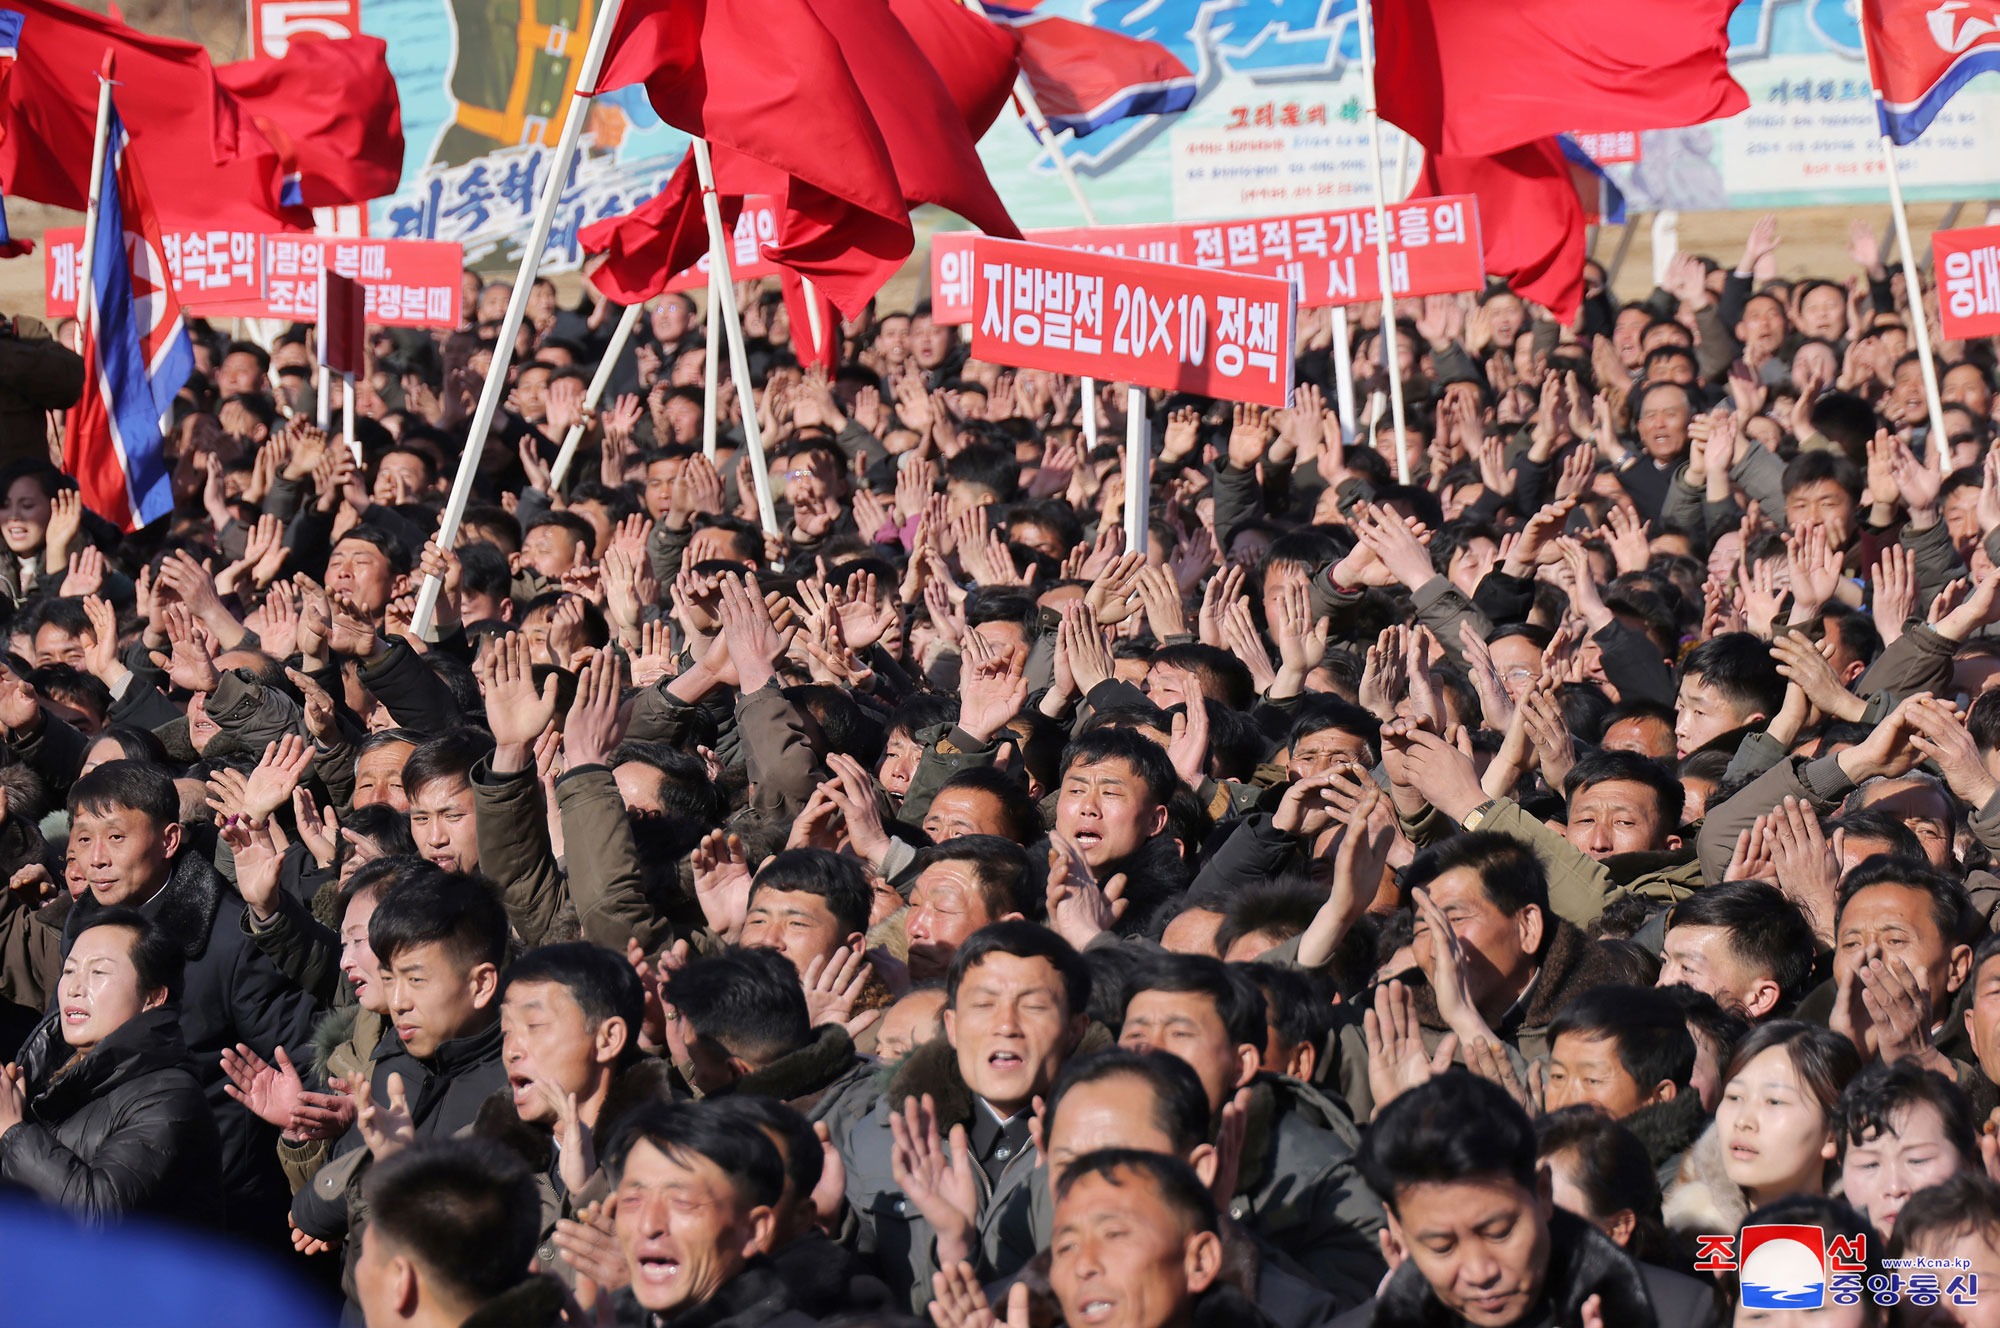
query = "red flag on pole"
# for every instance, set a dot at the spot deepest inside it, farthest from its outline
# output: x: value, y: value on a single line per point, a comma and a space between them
x: 815, y: 324
x: 767, y: 86
x: 331, y: 111
x: 206, y: 161
x: 1471, y: 77
x: 1530, y: 218
x: 975, y: 57
x: 854, y: 107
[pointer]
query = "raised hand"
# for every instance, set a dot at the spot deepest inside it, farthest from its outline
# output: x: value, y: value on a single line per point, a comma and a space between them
x: 1078, y: 909
x: 516, y: 711
x: 1397, y: 1060
x: 386, y: 1127
x: 943, y: 1185
x: 192, y: 662
x: 722, y: 882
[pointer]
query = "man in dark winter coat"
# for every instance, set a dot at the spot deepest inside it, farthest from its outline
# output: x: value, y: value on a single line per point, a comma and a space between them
x: 440, y: 939
x: 698, y: 1186
x: 748, y: 1030
x: 452, y: 1238
x: 126, y: 835
x: 1485, y: 1245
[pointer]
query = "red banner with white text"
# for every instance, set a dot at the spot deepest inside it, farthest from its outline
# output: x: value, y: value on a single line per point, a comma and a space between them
x: 1329, y: 257
x: 1967, y: 264
x: 1219, y: 334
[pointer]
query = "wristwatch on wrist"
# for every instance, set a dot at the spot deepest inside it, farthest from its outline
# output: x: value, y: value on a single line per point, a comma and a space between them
x: 1477, y: 816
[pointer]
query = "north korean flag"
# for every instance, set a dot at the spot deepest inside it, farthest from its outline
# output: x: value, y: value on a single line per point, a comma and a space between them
x: 136, y: 354
x: 1923, y: 52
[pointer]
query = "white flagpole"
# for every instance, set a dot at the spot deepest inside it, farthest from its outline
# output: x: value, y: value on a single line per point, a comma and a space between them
x: 495, y: 386
x: 86, y: 292
x: 1912, y: 284
x: 711, y: 387
x: 1045, y: 134
x: 1138, y: 468
x: 595, y: 393
x: 1392, y: 359
x: 739, y: 358
x: 814, y: 324
x: 1343, y: 373
x: 323, y: 383
x: 347, y: 416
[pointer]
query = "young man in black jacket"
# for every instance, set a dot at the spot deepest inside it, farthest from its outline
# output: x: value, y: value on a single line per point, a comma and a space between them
x: 441, y: 939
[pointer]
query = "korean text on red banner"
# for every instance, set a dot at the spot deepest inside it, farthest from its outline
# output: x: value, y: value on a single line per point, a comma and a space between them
x: 409, y: 283
x: 756, y: 226
x: 1967, y: 264
x: 214, y: 272
x: 1220, y: 334
x: 1329, y: 257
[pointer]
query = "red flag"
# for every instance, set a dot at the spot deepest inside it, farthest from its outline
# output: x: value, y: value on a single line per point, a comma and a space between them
x: 1530, y: 219
x: 330, y: 109
x: 1472, y: 77
x: 766, y: 85
x: 825, y: 352
x: 207, y: 165
x: 1923, y: 53
x: 976, y: 58
x: 936, y: 160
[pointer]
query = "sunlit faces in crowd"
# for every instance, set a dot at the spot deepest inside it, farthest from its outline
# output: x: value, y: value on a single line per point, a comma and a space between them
x: 1778, y: 1121
x: 1134, y: 1241
x: 1010, y: 1016
x: 1905, y: 1129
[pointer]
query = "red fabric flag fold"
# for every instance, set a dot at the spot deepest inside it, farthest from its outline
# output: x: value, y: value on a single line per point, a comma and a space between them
x: 1530, y: 219
x: 205, y: 159
x: 831, y: 106
x: 330, y: 109
x: 1470, y: 78
x: 766, y: 85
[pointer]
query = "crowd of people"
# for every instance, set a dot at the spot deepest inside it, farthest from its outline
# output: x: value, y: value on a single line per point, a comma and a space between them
x: 1458, y: 878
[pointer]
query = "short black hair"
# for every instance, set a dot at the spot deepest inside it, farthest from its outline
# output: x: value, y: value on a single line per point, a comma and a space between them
x: 1605, y: 766
x: 448, y: 756
x: 1874, y: 1098
x: 837, y: 880
x: 1456, y: 1127
x: 601, y: 983
x: 1298, y: 1003
x: 465, y: 1209
x: 1006, y: 872
x: 1738, y: 665
x: 1967, y: 1204
x: 156, y: 956
x: 1707, y: 1019
x: 736, y: 1145
x: 1950, y: 904
x: 987, y: 466
x: 1508, y: 870
x: 1823, y: 464
x: 1646, y: 1024
x: 1325, y: 712
x: 1282, y: 908
x: 1237, y: 999
x: 1766, y: 930
x: 461, y: 912
x: 1147, y: 758
x: 127, y: 786
x: 1181, y: 1191
x: 804, y: 1160
x: 1180, y: 1103
x: 386, y: 539
x: 1023, y: 820
x: 1822, y: 1059
x: 1213, y: 664
x: 1023, y: 940
x: 569, y: 523
x: 483, y: 569
x: 748, y: 1002
x: 1612, y: 1167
